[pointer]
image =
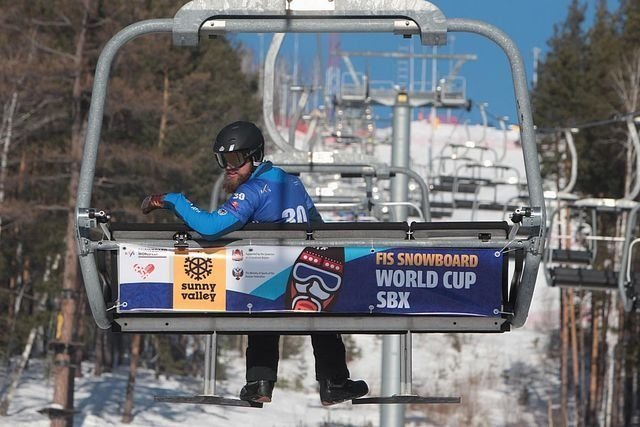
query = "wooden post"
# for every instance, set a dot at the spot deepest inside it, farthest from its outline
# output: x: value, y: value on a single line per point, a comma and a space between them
x: 618, y: 377
x: 64, y: 369
x: 602, y: 359
x: 127, y: 413
x: 574, y: 353
x: 593, y: 384
x: 582, y: 350
x: 564, y: 368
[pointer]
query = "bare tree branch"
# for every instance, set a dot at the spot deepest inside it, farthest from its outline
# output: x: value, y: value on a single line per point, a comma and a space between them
x: 51, y: 23
x: 26, y: 116
x: 626, y: 81
x: 52, y: 51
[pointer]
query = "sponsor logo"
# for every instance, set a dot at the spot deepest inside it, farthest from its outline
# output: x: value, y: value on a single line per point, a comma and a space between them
x: 237, y: 255
x: 237, y: 273
x: 315, y: 280
x: 265, y: 189
x: 222, y: 211
x: 198, y: 268
x: 130, y: 252
x: 235, y: 205
x: 143, y: 270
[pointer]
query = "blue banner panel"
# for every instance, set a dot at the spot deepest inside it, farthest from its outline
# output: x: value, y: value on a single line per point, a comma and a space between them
x: 343, y: 280
x: 146, y: 295
x: 385, y: 281
x: 433, y: 281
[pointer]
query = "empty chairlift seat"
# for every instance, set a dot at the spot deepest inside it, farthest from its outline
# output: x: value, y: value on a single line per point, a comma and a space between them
x: 584, y: 278
x: 567, y: 256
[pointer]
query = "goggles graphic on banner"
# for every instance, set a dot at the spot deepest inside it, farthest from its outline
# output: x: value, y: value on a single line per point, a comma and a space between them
x: 307, y: 274
x: 313, y: 287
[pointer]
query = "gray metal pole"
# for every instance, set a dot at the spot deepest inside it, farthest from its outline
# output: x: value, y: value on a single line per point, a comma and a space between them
x: 400, y: 152
x: 210, y: 355
x: 393, y: 346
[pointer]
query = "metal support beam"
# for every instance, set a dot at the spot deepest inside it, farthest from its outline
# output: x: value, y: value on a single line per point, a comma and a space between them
x: 394, y: 361
x: 210, y: 355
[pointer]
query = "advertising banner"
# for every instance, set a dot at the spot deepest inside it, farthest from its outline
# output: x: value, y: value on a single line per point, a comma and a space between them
x: 345, y: 280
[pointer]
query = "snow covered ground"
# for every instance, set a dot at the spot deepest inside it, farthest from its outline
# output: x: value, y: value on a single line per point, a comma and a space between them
x: 503, y: 379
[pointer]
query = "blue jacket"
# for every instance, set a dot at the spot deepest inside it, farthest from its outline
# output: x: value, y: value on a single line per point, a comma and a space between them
x: 269, y: 195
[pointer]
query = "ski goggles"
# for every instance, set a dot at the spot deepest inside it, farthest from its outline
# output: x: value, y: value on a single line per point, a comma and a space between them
x: 304, y: 273
x: 234, y: 159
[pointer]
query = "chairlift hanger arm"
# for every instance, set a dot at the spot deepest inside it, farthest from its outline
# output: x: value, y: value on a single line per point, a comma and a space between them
x: 529, y: 150
x: 525, y: 116
x: 626, y: 288
x: 571, y: 145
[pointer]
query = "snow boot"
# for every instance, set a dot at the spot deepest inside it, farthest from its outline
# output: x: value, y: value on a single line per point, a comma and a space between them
x: 257, y: 391
x: 332, y: 392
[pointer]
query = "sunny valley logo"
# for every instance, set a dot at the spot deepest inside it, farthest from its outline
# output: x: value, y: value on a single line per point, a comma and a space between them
x: 198, y: 268
x: 199, y: 281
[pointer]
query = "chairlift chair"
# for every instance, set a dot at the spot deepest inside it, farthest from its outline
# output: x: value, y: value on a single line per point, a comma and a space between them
x: 567, y: 267
x: 629, y: 277
x: 568, y: 264
x: 500, y: 304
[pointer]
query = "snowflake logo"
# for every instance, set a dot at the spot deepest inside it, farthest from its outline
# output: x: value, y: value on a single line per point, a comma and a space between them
x: 198, y: 268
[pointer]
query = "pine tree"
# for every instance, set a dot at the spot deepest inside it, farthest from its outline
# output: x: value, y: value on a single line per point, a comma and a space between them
x: 604, y: 179
x: 557, y: 100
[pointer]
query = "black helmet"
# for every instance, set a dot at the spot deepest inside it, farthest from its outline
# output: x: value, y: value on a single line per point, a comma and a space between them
x: 238, y: 142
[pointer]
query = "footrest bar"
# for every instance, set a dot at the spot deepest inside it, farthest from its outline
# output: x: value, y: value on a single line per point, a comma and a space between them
x: 207, y: 400
x: 405, y: 399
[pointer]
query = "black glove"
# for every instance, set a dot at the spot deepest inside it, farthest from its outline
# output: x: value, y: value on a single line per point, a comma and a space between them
x: 152, y: 202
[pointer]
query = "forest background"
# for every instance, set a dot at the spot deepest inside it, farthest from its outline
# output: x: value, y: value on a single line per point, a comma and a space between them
x: 164, y: 106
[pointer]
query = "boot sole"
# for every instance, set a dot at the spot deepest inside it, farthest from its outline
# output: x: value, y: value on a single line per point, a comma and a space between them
x: 258, y: 399
x: 324, y: 403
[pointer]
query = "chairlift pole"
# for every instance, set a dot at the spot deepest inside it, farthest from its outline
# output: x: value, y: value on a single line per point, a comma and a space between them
x: 396, y: 349
x: 432, y: 113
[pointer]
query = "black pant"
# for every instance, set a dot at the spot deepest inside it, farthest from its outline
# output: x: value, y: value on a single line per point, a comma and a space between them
x: 328, y: 350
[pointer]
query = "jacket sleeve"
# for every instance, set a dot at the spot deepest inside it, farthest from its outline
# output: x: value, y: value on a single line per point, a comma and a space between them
x: 211, y: 225
x: 314, y: 215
